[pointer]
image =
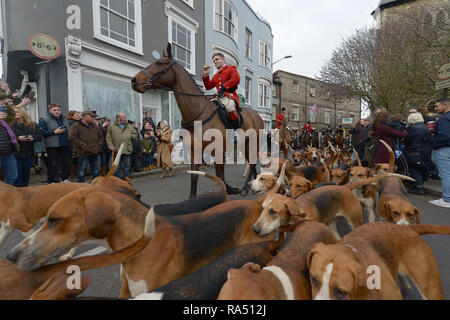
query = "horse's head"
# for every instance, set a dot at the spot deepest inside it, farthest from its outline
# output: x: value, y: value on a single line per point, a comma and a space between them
x: 157, y: 75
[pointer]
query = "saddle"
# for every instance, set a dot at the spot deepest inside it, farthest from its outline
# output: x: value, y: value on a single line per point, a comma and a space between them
x: 223, y: 115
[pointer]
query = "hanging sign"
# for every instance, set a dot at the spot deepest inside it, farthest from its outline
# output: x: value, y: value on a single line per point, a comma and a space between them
x: 44, y: 46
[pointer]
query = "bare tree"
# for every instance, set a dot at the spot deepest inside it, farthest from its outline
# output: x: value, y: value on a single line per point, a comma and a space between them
x: 393, y: 66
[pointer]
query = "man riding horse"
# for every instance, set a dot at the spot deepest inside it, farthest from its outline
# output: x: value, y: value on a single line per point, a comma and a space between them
x: 226, y: 81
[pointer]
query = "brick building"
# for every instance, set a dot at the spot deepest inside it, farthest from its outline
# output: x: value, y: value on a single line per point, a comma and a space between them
x: 298, y: 94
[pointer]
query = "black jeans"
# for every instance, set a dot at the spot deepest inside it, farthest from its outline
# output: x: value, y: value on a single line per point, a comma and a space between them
x: 60, y: 156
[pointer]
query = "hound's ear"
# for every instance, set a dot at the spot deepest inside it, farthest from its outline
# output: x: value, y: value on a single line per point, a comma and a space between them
x: 294, y: 211
x: 418, y: 216
x: 169, y: 51
x: 252, y: 267
x: 261, y: 199
x: 100, y: 212
x: 314, y: 249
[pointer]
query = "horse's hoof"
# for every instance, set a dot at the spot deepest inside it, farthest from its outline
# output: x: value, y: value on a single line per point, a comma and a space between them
x: 244, y: 193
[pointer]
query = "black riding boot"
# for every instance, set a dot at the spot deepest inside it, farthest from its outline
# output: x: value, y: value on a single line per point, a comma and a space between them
x: 235, y: 124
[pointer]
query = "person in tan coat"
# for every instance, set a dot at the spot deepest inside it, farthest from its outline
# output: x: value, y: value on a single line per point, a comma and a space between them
x: 164, y: 140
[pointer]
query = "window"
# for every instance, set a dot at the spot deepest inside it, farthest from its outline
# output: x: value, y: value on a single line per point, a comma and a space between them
x: 109, y: 96
x: 295, y: 113
x: 248, y: 43
x: 296, y: 88
x: 183, y: 44
x: 226, y: 18
x: 248, y: 89
x: 275, y: 92
x: 326, y: 117
x: 119, y: 22
x: 274, y: 112
x: 311, y: 116
x: 264, y: 94
x: 265, y: 54
x: 312, y: 91
x: 340, y: 117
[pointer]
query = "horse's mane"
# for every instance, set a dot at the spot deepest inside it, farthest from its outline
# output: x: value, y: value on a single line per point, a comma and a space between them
x: 192, y: 79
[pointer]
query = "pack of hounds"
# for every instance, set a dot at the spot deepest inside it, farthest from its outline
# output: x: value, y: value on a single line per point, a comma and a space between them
x: 284, y: 245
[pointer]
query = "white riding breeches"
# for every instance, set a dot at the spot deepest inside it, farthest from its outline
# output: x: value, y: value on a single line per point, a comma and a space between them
x: 230, y: 104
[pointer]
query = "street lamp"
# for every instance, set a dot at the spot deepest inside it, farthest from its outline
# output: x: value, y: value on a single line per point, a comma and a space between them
x: 287, y: 57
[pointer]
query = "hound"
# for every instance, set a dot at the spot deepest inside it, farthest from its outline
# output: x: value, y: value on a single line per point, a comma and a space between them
x: 180, y: 245
x: 393, y: 203
x: 286, y: 277
x: 341, y: 271
x: 323, y: 205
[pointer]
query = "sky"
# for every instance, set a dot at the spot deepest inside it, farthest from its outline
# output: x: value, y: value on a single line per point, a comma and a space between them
x: 310, y: 30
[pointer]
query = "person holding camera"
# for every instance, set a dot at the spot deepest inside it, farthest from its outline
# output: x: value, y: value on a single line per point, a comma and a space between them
x: 27, y: 132
x: 54, y: 128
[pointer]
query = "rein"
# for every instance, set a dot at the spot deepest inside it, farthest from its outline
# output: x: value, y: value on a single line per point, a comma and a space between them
x: 151, y: 84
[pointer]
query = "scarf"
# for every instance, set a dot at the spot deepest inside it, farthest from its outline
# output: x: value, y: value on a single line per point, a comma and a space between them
x: 11, y: 134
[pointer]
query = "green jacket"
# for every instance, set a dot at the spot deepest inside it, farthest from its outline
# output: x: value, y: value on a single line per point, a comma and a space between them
x: 116, y: 136
x: 147, y: 144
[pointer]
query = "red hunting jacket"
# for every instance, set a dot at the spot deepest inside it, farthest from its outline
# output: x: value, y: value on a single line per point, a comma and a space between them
x: 279, y: 120
x: 228, y: 77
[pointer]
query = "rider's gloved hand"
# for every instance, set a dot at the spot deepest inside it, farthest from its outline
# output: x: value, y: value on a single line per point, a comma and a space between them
x: 221, y: 91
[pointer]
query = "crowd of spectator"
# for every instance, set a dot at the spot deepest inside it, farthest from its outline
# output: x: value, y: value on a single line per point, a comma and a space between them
x: 421, y: 145
x: 75, y: 145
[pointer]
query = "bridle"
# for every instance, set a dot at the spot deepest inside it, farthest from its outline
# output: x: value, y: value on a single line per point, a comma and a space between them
x: 152, y: 85
x: 151, y: 79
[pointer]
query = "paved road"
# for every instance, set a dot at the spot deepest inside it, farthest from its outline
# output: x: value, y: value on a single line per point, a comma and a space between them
x: 106, y: 282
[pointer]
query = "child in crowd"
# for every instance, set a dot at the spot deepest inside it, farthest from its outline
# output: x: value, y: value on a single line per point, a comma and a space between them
x: 147, y: 145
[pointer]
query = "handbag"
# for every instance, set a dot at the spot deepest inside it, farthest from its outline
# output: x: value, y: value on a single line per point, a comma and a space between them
x: 39, y: 146
x: 414, y: 157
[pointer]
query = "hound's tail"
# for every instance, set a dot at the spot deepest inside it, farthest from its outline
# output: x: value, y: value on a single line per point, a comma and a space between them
x: 217, y: 180
x: 357, y: 158
x: 375, y: 179
x: 391, y: 157
x: 422, y: 229
x: 116, y: 161
x: 107, y: 259
x: 327, y: 171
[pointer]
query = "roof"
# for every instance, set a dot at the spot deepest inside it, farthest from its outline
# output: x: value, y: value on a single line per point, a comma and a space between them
x: 389, y: 3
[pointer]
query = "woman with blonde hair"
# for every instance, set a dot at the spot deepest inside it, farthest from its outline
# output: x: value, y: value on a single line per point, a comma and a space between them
x: 418, y: 143
x: 27, y: 132
x: 164, y: 140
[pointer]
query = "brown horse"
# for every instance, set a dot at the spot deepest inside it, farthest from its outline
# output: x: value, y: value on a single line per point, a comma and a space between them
x: 339, y: 140
x: 284, y: 139
x: 167, y: 74
x: 327, y: 139
x: 305, y: 139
